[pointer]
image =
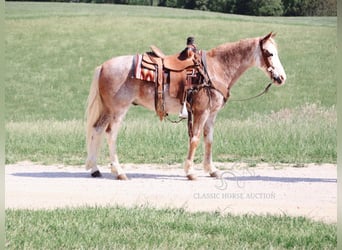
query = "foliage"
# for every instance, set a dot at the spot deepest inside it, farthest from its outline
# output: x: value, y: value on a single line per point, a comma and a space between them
x: 260, y: 7
x: 226, y: 6
x: 268, y: 7
x: 169, y: 3
x: 310, y: 7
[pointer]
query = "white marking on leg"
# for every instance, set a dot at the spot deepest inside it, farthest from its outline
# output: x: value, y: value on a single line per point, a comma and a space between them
x: 189, y: 167
x: 208, y: 134
x: 94, y: 169
x: 93, y: 149
x: 209, y: 168
x: 116, y: 168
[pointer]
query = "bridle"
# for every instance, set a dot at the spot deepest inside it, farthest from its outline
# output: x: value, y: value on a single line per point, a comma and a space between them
x: 270, y: 68
x: 266, y: 55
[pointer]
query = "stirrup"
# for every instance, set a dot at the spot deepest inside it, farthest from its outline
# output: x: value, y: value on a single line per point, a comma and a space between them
x: 184, y: 112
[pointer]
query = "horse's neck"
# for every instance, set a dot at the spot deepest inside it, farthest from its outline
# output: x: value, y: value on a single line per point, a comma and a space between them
x: 229, y: 61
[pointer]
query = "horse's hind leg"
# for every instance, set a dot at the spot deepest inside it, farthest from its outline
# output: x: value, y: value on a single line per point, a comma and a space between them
x: 94, y: 144
x: 112, y: 134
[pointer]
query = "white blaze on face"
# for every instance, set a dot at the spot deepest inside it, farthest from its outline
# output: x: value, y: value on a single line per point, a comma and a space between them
x: 275, y: 61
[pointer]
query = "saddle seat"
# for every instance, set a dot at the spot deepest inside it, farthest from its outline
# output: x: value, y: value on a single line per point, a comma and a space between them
x: 177, y: 62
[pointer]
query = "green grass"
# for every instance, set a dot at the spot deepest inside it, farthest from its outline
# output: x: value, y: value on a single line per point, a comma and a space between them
x: 53, y: 48
x: 254, y: 139
x: 147, y: 228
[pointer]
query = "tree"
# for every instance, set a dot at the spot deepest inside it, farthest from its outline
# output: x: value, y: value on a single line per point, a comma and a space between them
x: 260, y: 7
x: 226, y: 6
x: 243, y: 7
x: 190, y: 4
x: 201, y: 4
x: 269, y: 8
x: 168, y: 3
x: 320, y: 8
x: 310, y: 7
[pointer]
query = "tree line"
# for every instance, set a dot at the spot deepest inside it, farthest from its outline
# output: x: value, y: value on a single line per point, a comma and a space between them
x: 248, y: 7
x: 260, y: 7
x: 243, y: 7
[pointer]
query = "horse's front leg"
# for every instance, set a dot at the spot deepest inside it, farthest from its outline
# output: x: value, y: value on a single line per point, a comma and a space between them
x: 198, y: 123
x: 208, y: 134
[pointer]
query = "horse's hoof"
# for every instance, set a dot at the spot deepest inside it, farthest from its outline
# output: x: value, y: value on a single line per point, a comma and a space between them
x: 97, y: 173
x: 192, y: 177
x: 122, y: 177
x: 216, y: 174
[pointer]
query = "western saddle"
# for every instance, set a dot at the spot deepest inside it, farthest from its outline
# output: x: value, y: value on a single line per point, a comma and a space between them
x: 181, y: 71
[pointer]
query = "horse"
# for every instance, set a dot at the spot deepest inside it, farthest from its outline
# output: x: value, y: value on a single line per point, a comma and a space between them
x: 113, y: 91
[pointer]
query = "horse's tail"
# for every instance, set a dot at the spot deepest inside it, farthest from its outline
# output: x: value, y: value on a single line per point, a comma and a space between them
x: 94, y: 105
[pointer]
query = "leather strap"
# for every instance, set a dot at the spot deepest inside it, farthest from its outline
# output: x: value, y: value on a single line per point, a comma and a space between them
x: 159, y: 94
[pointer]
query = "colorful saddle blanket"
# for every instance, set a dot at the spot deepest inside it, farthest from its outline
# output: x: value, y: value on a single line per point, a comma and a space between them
x: 143, y: 73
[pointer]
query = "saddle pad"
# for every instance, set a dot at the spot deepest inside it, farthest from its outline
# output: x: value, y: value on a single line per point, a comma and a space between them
x: 142, y: 73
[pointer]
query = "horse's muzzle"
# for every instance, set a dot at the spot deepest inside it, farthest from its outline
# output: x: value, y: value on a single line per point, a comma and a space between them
x: 278, y: 78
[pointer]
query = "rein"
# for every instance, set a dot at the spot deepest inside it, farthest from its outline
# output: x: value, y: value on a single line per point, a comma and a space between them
x: 174, y: 121
x: 237, y: 100
x: 265, y: 55
x: 253, y: 97
x: 204, y: 61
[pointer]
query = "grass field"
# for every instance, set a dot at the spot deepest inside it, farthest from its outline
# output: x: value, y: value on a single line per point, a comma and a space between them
x: 146, y: 228
x: 279, y: 136
x: 51, y: 52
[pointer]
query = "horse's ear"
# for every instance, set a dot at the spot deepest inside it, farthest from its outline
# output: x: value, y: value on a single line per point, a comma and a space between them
x: 271, y: 34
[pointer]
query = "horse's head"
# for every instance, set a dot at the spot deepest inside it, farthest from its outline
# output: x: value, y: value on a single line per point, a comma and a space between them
x: 269, y: 59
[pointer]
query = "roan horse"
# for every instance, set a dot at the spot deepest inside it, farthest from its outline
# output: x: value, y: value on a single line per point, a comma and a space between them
x: 113, y: 91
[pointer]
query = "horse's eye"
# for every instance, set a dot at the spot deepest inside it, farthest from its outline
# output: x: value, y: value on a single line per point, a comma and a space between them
x: 268, y: 54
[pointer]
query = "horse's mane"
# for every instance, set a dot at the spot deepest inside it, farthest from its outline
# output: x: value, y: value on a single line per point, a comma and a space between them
x: 241, y: 47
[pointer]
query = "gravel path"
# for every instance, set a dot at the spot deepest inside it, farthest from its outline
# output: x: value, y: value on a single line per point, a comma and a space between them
x: 309, y: 191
